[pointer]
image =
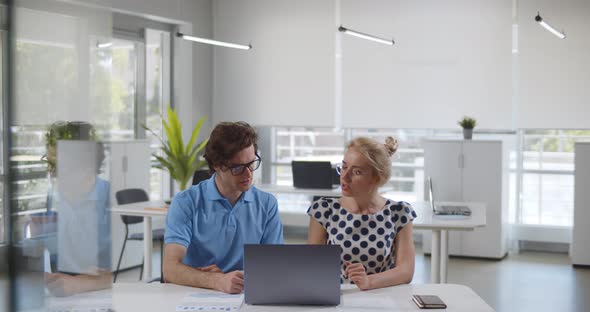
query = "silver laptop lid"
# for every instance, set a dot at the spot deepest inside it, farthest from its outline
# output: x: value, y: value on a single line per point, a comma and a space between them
x: 430, y: 192
x: 292, y: 274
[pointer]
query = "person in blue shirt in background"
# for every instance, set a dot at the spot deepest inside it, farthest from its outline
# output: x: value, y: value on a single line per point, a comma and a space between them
x: 208, y: 224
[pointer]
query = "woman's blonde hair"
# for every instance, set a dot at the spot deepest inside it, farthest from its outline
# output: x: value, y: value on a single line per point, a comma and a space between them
x: 378, y: 155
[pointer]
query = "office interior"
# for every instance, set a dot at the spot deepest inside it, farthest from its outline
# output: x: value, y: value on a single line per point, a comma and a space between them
x: 308, y: 88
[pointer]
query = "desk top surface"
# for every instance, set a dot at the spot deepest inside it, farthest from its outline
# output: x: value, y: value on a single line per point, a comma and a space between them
x: 148, y: 208
x: 273, y: 188
x: 167, y: 297
x: 427, y: 220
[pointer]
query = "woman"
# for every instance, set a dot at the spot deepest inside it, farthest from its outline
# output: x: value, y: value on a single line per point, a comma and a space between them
x: 375, y: 233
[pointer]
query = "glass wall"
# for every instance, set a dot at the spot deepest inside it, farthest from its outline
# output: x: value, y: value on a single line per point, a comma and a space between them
x: 62, y: 116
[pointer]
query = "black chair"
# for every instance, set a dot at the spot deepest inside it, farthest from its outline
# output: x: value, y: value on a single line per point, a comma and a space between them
x: 200, y: 175
x: 130, y: 196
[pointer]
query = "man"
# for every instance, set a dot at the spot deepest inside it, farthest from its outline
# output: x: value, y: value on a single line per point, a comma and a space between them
x: 208, y: 224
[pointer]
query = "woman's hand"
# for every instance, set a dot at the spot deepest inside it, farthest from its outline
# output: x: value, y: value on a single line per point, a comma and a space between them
x: 358, y: 275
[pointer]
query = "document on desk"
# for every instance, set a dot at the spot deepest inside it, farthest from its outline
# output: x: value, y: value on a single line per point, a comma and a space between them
x: 208, y: 302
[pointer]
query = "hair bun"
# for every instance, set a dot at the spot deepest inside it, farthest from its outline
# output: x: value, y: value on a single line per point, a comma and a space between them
x: 391, y: 145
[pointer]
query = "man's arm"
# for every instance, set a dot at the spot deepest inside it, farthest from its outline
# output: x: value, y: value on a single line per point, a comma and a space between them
x: 273, y: 232
x: 178, y: 273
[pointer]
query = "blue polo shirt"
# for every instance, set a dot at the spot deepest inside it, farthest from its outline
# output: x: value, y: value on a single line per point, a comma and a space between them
x: 214, y: 232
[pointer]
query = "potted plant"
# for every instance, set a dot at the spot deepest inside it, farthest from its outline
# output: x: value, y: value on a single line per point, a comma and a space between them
x: 179, y: 159
x: 467, y: 123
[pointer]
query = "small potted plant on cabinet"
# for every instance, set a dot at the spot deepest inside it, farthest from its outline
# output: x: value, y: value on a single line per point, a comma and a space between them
x: 467, y: 123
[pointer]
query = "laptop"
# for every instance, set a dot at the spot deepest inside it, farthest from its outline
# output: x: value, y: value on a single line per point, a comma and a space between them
x: 446, y: 210
x: 312, y: 174
x: 292, y: 274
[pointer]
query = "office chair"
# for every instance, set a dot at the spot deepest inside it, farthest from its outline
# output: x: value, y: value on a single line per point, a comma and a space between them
x: 129, y: 196
x: 200, y: 175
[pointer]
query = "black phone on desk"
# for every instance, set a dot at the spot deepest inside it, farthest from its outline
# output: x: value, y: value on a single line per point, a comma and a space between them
x: 428, y: 302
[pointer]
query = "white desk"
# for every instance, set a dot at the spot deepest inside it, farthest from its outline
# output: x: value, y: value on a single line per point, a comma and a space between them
x: 165, y: 297
x: 147, y: 210
x: 440, y: 226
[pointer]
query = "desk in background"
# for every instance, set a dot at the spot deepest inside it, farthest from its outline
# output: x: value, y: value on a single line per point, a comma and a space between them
x: 166, y: 297
x: 295, y: 214
x: 147, y: 210
x: 440, y: 226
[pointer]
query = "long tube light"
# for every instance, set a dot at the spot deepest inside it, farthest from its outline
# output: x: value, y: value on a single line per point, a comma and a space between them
x: 214, y: 42
x: 365, y: 36
x: 559, y: 34
x: 104, y: 45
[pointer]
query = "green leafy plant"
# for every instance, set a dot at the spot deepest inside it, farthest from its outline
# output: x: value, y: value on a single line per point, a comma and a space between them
x: 467, y: 122
x: 179, y: 159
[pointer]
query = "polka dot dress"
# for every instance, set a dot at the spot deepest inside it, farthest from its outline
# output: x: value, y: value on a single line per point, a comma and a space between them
x: 364, y: 238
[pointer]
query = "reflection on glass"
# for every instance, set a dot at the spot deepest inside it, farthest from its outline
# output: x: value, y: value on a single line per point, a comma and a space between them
x: 60, y: 222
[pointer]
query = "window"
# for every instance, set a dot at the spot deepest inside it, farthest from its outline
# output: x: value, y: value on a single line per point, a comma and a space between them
x: 547, y: 173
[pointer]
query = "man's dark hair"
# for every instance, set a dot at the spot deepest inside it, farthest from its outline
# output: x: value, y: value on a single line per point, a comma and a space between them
x: 226, y: 140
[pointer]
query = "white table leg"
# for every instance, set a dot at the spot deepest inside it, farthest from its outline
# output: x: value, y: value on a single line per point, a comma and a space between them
x: 435, y: 258
x: 147, y: 249
x: 444, y: 255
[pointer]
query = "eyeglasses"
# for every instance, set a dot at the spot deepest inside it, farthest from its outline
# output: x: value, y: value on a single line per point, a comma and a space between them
x: 239, y: 169
x: 342, y: 168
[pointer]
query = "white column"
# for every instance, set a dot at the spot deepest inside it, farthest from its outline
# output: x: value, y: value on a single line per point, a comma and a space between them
x: 444, y: 255
x: 435, y: 258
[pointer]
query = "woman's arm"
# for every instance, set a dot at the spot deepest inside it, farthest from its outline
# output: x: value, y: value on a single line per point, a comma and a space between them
x: 404, y: 265
x: 316, y: 234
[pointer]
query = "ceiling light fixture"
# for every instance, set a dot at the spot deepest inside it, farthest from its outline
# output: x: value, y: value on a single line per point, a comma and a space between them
x: 559, y: 34
x: 365, y: 36
x: 214, y: 42
x: 104, y: 44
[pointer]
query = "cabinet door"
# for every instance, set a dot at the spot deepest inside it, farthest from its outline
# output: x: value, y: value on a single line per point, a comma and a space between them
x: 441, y: 163
x: 579, y: 251
x: 482, y: 182
x: 137, y: 158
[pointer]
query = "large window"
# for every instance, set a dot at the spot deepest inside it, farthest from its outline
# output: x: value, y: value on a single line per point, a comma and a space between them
x: 547, y: 196
x: 545, y: 173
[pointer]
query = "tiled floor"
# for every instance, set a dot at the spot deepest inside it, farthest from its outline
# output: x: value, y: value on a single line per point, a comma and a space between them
x: 525, y: 281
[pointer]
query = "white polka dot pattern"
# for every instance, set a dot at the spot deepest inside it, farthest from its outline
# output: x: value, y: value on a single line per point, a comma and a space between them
x: 364, y: 238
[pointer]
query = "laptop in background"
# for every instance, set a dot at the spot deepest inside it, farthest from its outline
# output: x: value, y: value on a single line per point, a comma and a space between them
x: 312, y: 174
x: 292, y: 274
x: 441, y: 210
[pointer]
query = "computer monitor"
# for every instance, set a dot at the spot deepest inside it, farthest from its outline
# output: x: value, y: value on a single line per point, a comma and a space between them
x: 312, y: 174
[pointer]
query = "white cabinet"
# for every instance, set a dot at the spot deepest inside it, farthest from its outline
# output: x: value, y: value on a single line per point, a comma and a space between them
x: 580, y: 249
x: 471, y: 171
x: 128, y: 166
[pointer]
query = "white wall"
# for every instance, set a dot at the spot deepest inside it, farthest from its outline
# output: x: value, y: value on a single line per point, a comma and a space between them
x: 451, y: 58
x: 288, y: 76
x: 554, y: 84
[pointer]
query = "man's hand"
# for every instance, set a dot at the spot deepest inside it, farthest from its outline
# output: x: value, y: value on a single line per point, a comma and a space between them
x: 358, y: 275
x: 211, y: 268
x: 60, y: 285
x: 231, y: 283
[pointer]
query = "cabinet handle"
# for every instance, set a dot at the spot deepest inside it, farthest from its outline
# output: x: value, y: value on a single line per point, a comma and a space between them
x: 124, y: 163
x: 461, y: 161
